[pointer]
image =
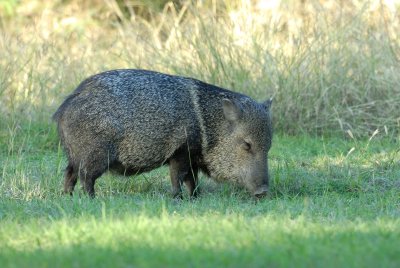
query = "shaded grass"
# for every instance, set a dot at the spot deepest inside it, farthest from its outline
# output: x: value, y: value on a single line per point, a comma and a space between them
x: 234, y: 240
x: 144, y: 232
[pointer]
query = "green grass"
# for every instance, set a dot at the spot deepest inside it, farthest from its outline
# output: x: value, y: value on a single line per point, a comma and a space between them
x: 329, y: 206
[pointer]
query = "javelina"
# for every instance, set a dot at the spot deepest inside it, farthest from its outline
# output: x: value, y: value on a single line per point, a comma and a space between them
x: 133, y: 121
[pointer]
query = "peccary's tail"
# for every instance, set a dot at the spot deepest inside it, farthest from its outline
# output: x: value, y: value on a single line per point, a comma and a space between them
x: 82, y: 86
x: 57, y: 117
x: 60, y: 111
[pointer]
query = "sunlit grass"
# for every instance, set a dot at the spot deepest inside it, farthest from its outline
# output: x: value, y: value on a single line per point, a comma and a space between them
x: 209, y: 232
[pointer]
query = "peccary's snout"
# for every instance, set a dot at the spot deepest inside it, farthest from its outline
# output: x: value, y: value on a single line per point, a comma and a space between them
x: 261, y: 191
x: 257, y: 178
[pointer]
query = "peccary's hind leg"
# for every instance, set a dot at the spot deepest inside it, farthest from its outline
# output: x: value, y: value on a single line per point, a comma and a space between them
x: 88, y: 178
x: 91, y: 169
x: 70, y: 179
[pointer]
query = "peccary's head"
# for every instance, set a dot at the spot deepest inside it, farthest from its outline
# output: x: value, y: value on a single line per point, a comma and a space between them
x: 241, y: 151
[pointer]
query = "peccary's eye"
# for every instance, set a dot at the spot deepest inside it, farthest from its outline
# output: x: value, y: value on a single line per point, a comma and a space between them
x: 246, y: 146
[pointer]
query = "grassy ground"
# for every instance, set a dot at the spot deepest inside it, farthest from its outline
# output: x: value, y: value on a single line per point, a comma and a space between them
x: 333, y: 202
x: 333, y: 69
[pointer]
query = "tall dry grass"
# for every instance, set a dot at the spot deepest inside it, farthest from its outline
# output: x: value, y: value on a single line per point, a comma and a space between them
x: 331, y: 66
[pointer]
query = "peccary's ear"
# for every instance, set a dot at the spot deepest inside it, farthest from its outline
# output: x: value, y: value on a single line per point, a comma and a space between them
x: 232, y: 111
x: 268, y: 103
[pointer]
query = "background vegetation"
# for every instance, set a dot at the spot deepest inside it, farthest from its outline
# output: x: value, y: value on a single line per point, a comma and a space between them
x: 333, y: 68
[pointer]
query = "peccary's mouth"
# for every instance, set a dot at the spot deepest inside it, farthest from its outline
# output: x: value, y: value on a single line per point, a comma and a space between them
x: 261, y: 191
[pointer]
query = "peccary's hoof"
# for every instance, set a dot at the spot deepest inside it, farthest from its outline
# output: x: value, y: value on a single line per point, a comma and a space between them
x: 177, y: 196
x: 194, y: 195
x: 196, y: 191
x: 261, y: 195
x: 65, y: 192
x: 261, y: 192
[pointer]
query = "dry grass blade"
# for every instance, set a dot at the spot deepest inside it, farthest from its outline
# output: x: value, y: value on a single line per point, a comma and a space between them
x: 330, y: 67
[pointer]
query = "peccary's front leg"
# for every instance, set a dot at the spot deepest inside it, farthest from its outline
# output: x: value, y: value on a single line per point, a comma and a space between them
x: 181, y: 171
x: 175, y: 167
x: 191, y: 181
